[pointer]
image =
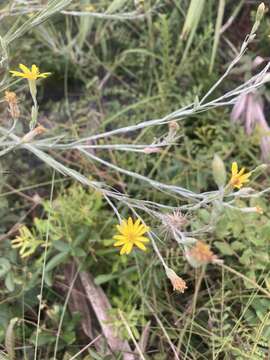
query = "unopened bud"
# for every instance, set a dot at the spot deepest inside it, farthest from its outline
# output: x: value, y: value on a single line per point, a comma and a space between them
x: 173, y: 126
x: 262, y: 167
x: 33, y: 133
x: 260, y: 12
x: 259, y: 210
x: 219, y: 171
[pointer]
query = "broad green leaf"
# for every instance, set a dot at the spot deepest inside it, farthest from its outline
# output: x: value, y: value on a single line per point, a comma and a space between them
x: 9, y: 282
x: 61, y: 246
x: 4, y: 266
x: 224, y: 248
x: 116, y: 5
x: 55, y: 261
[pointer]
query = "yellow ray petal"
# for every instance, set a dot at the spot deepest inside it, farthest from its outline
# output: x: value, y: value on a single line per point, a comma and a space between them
x: 142, y: 230
x: 35, y: 69
x: 129, y: 248
x: 123, y: 250
x: 119, y: 237
x: 140, y: 245
x: 119, y: 243
x: 44, y: 75
x: 17, y: 73
x: 142, y: 239
x: 234, y: 168
x: 123, y: 228
x: 130, y: 222
x: 25, y: 69
x: 245, y: 176
x: 137, y: 224
x: 241, y: 172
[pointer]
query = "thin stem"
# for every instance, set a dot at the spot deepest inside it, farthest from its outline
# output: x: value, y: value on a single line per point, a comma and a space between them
x: 43, y: 270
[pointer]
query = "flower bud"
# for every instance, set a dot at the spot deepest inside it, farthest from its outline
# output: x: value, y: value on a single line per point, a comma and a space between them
x: 33, y: 133
x: 12, y: 101
x: 219, y: 171
x: 260, y: 12
x: 177, y: 282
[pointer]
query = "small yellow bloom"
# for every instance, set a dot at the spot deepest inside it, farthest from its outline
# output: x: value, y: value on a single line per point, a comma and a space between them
x: 238, y: 178
x: 131, y: 234
x: 30, y: 74
x: 26, y: 242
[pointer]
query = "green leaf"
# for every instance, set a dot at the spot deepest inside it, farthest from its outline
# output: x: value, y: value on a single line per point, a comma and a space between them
x: 44, y: 338
x: 204, y: 215
x: 237, y: 228
x: 101, y: 279
x: 219, y: 171
x: 9, y: 282
x: 55, y: 261
x: 4, y: 266
x: 224, y: 248
x: 78, y: 252
x: 238, y: 245
x: 95, y: 355
x: 82, y: 236
x: 61, y: 246
x: 246, y: 257
x: 116, y: 5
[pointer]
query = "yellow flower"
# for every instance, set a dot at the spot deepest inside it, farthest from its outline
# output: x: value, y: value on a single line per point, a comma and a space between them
x: 238, y: 178
x: 26, y: 242
x: 30, y: 74
x: 131, y: 234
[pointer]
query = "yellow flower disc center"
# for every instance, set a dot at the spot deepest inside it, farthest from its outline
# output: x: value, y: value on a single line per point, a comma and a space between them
x: 131, y: 237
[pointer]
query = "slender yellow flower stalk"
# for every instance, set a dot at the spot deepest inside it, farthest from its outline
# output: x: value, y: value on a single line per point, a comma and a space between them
x: 31, y: 75
x: 131, y: 234
x: 238, y: 178
x: 177, y: 282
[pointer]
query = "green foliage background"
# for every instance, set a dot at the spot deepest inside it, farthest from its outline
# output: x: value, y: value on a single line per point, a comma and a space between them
x: 107, y: 74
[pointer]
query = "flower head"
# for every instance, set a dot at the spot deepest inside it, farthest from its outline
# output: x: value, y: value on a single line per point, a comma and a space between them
x: 26, y: 242
x: 177, y: 282
x: 200, y: 254
x: 11, y: 99
x: 39, y: 130
x: 238, y: 178
x: 30, y: 74
x: 259, y: 210
x: 173, y: 222
x: 131, y: 234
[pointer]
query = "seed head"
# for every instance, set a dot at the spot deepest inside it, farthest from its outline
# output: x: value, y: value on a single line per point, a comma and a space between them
x: 200, y: 254
x: 11, y: 99
x: 177, y: 282
x: 174, y: 221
